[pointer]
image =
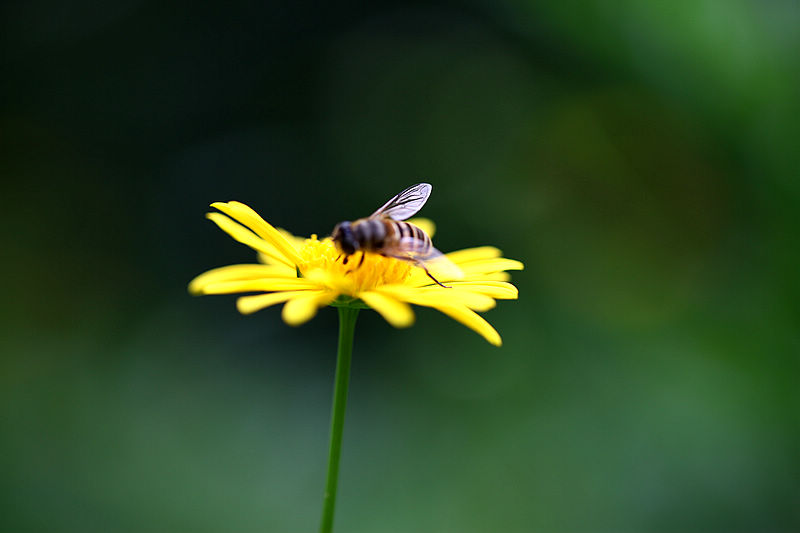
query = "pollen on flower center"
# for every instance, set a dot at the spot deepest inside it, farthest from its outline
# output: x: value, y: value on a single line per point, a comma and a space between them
x: 321, y: 258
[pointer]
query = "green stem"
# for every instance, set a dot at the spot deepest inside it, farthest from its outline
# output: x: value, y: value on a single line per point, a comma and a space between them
x: 347, y: 327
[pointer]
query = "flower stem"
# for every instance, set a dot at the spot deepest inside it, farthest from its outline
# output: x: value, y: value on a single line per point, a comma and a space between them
x: 347, y: 327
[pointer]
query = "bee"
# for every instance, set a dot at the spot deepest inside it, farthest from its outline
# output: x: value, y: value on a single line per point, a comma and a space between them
x: 385, y: 233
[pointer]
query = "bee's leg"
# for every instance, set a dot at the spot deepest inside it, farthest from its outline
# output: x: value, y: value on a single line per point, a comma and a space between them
x: 434, y: 279
x: 360, y: 262
x: 417, y: 262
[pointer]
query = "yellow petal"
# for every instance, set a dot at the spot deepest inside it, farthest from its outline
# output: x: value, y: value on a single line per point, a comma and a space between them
x: 302, y: 308
x: 473, y: 321
x: 247, y: 237
x: 259, y: 285
x: 274, y: 257
x: 474, y: 254
x: 263, y: 229
x: 495, y: 289
x: 472, y: 299
x: 296, y: 241
x: 251, y: 304
x: 331, y: 281
x: 419, y: 278
x: 492, y: 276
x: 435, y: 296
x: 486, y: 266
x: 239, y: 272
x: 396, y: 313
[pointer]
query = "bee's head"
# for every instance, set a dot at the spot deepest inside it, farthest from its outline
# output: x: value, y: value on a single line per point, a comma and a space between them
x: 345, y: 240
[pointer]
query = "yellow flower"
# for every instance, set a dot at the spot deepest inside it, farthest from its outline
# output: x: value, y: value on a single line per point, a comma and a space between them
x: 307, y: 274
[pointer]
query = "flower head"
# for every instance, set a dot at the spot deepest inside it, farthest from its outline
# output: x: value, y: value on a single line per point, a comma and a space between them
x: 306, y: 274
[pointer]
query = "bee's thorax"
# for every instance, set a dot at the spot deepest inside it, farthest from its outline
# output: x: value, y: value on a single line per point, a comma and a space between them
x: 370, y: 233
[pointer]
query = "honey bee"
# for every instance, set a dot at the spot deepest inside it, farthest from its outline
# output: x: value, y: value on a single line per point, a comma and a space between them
x: 385, y: 233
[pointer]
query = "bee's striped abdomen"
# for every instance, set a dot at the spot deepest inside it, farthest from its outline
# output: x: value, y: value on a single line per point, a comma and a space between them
x: 420, y: 242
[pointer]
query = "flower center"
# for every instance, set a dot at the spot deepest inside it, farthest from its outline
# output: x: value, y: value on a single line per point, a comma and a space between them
x: 322, y: 258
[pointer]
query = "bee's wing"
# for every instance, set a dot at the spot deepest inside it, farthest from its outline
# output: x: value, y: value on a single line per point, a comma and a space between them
x: 406, y: 203
x: 422, y: 254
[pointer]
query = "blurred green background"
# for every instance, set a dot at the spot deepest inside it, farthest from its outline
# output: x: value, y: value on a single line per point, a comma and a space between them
x: 641, y: 158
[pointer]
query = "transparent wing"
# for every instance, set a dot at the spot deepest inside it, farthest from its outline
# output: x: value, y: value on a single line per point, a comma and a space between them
x: 406, y: 203
x: 426, y: 256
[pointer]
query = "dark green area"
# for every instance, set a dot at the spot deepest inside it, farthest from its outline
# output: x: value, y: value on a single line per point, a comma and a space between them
x: 641, y: 158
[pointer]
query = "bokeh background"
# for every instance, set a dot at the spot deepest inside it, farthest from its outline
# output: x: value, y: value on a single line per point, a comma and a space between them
x: 641, y: 158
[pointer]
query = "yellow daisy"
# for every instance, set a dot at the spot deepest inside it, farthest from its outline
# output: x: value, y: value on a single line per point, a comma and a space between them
x: 306, y: 274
